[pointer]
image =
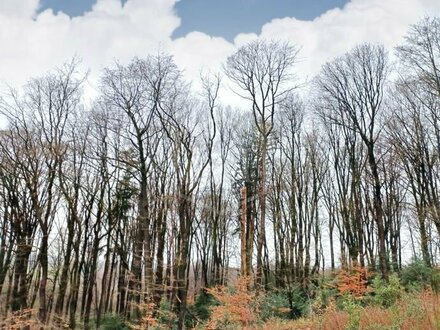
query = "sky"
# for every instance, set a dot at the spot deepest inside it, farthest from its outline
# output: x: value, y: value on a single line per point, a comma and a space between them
x: 38, y: 35
x: 225, y: 18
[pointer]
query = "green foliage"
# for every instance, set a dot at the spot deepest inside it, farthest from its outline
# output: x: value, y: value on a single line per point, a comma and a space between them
x: 203, y: 304
x: 200, y: 311
x: 165, y: 315
x: 418, y: 276
x: 386, y: 294
x: 274, y: 304
x: 328, y: 294
x: 353, y: 309
x: 298, y: 301
x: 112, y: 322
x: 323, y: 298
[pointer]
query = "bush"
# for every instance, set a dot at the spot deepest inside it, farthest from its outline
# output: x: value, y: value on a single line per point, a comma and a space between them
x: 351, y: 305
x: 298, y: 302
x: 112, y: 322
x: 203, y: 304
x: 274, y: 304
x: 418, y: 275
x: 237, y: 306
x: 386, y: 294
x: 352, y: 282
x: 165, y: 315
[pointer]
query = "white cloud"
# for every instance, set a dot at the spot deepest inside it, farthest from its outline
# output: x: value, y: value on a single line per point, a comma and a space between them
x: 338, y: 30
x: 34, y: 43
x: 18, y: 8
x: 197, y: 51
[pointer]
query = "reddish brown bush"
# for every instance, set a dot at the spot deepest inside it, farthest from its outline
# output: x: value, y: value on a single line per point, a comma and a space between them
x: 353, y: 282
x: 237, y: 306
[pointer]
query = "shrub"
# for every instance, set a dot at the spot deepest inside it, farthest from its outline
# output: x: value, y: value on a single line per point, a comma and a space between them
x: 274, y: 304
x: 386, y: 294
x: 353, y: 282
x: 418, y: 275
x: 112, y: 322
x: 166, y: 318
x: 298, y: 301
x: 237, y: 306
x: 353, y: 309
x: 324, y: 297
x: 203, y: 304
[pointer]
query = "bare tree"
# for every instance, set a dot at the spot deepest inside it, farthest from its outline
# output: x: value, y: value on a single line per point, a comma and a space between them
x: 262, y: 70
x: 39, y: 118
x: 420, y: 54
x: 181, y: 117
x: 352, y: 90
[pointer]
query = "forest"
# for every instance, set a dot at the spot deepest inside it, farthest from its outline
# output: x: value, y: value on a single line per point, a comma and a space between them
x: 158, y: 205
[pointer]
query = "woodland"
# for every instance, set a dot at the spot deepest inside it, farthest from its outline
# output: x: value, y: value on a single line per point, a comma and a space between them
x: 158, y: 205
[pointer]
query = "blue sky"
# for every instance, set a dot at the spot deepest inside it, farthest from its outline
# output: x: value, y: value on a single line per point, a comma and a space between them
x: 70, y: 7
x: 224, y: 18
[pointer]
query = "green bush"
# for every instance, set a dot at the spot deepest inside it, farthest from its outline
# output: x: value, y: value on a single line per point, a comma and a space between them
x: 353, y: 308
x: 112, y: 322
x: 165, y: 315
x: 322, y: 299
x: 386, y: 294
x: 418, y: 276
x: 328, y: 294
x: 200, y: 311
x: 298, y: 301
x: 203, y: 304
x: 274, y: 304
